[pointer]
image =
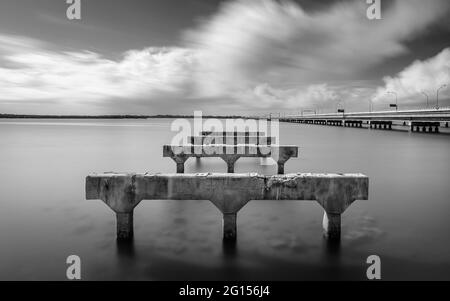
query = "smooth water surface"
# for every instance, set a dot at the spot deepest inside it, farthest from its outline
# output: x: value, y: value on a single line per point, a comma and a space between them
x: 44, y: 216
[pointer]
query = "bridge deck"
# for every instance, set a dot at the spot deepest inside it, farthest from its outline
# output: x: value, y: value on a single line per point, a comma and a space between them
x: 416, y: 115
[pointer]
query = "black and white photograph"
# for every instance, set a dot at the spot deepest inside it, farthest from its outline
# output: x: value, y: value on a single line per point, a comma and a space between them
x: 236, y: 142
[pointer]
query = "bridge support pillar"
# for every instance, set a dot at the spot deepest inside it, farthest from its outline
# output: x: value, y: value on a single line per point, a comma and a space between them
x: 229, y: 226
x: 331, y: 226
x: 179, y: 160
x: 124, y: 222
x: 230, y: 160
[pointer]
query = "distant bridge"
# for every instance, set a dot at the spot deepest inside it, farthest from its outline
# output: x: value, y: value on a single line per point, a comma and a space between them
x: 426, y: 120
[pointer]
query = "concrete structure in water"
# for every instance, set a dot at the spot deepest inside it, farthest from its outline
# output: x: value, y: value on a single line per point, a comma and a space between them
x: 430, y: 127
x: 236, y: 133
x: 230, y: 153
x: 353, y: 123
x: 380, y: 124
x: 229, y: 193
x: 213, y: 139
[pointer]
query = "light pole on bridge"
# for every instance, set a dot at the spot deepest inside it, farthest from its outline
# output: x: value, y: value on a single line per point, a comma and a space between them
x: 428, y: 98
x: 396, y: 99
x: 437, y: 95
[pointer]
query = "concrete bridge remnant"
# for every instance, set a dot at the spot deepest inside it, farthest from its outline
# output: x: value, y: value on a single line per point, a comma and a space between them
x: 230, y: 153
x: 213, y: 139
x: 122, y: 192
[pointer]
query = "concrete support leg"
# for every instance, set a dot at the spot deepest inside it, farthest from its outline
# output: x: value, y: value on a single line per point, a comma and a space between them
x: 124, y: 225
x: 230, y: 160
x: 280, y: 164
x: 229, y: 226
x: 230, y: 167
x: 179, y: 160
x: 332, y: 226
x: 180, y: 167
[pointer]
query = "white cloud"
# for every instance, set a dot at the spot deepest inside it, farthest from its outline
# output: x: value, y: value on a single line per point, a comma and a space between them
x: 258, y: 54
x: 41, y: 74
x: 427, y: 76
x: 253, y: 41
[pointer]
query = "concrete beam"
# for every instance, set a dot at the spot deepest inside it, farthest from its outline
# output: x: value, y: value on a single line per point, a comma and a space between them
x: 237, y: 133
x: 228, y: 192
x: 258, y: 140
x: 230, y: 153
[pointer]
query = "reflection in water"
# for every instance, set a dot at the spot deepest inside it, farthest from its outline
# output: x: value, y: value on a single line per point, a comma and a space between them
x: 332, y: 249
x: 332, y: 259
x: 125, y: 248
x: 229, y: 248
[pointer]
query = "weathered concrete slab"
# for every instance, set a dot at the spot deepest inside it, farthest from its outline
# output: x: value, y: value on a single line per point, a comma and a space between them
x: 228, y: 192
x: 230, y: 153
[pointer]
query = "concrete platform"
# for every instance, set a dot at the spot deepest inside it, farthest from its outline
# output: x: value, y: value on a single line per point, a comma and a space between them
x: 215, y: 139
x: 237, y: 133
x: 230, y: 153
x: 122, y: 192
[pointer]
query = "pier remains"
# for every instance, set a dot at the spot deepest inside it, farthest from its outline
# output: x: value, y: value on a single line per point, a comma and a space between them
x: 122, y: 192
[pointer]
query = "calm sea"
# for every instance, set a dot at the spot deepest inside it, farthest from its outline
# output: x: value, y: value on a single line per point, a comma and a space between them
x: 44, y: 216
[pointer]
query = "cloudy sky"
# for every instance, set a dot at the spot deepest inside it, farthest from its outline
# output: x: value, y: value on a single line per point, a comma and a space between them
x: 237, y: 56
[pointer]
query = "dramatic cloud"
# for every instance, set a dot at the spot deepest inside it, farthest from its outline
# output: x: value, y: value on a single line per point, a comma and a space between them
x: 421, y: 76
x: 85, y: 76
x: 250, y: 42
x: 250, y: 55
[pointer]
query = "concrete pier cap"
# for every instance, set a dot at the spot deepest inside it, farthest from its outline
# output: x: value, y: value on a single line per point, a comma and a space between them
x: 228, y: 192
x: 230, y: 153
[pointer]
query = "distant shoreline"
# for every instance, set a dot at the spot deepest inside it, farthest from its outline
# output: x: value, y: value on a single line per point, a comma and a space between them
x: 23, y: 116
